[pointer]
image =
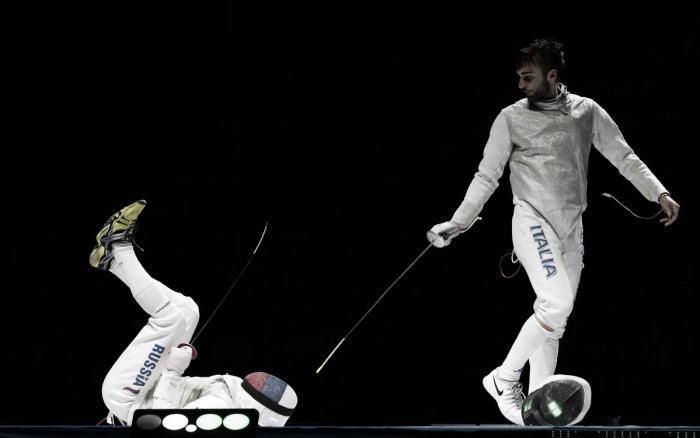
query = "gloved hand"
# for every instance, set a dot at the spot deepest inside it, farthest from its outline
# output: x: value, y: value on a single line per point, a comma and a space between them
x: 180, y: 358
x: 442, y: 234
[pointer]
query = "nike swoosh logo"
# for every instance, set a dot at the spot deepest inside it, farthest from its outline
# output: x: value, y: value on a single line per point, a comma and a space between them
x: 500, y: 392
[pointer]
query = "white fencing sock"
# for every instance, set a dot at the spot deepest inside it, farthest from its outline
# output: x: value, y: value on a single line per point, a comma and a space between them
x: 149, y: 293
x: 543, y: 363
x: 532, y: 335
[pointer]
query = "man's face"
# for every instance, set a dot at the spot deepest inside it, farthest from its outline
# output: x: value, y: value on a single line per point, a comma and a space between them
x: 535, y: 84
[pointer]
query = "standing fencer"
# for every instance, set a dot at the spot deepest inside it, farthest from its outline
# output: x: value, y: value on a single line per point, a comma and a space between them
x: 546, y: 139
x: 149, y: 373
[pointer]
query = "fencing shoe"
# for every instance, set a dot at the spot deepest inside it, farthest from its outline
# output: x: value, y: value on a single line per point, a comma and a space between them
x: 120, y: 227
x: 508, y: 395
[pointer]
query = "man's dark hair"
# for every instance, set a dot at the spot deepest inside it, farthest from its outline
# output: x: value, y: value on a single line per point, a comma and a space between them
x: 546, y: 53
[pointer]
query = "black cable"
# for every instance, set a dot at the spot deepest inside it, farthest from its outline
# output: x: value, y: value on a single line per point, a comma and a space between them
x: 230, y: 288
x: 608, y: 195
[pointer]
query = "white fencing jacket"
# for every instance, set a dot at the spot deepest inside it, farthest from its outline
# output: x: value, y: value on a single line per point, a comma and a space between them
x: 547, y: 145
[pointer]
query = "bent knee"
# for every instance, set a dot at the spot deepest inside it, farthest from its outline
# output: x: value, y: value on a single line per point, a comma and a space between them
x: 190, y: 310
x: 553, y: 319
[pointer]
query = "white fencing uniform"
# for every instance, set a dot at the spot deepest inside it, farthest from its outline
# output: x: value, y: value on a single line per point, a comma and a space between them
x: 547, y: 145
x: 145, y: 376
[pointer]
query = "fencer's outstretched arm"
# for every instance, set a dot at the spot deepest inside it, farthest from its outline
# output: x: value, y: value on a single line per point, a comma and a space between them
x: 485, y: 181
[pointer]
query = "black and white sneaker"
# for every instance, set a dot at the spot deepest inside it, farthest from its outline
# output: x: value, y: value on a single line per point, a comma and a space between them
x: 120, y: 227
x: 508, y: 394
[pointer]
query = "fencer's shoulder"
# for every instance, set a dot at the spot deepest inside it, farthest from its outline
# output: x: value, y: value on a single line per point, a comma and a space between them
x: 233, y: 382
x: 230, y: 378
x: 577, y: 99
x: 513, y: 109
x: 520, y: 105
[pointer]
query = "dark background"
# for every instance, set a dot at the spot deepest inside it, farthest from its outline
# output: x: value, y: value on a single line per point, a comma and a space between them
x: 350, y: 131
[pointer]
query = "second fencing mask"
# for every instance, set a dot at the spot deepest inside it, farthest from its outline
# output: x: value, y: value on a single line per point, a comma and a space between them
x: 561, y: 401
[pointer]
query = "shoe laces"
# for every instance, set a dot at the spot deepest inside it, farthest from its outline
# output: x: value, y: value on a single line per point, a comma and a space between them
x: 515, y: 392
x: 130, y: 235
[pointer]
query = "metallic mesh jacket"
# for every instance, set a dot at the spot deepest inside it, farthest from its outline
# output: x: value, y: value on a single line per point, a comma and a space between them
x: 547, y: 145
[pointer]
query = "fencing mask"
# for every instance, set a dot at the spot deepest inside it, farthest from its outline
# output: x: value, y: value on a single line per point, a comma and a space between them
x: 561, y: 401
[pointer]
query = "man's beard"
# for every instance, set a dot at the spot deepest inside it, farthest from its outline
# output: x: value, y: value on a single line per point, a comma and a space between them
x: 541, y: 93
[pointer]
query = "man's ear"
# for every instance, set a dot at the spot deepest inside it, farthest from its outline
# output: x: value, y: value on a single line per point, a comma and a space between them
x: 552, y: 75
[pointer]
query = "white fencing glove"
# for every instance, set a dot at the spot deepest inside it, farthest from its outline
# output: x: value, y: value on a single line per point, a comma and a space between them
x: 180, y: 358
x: 442, y: 234
x: 168, y: 385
